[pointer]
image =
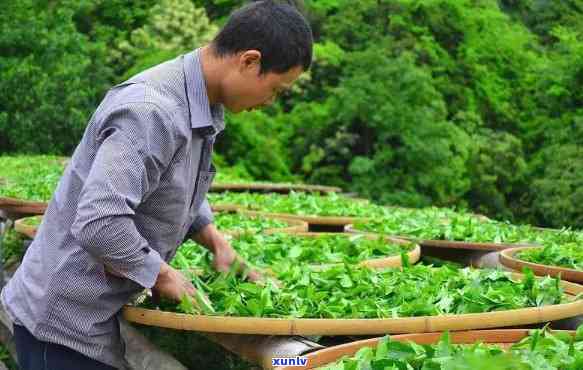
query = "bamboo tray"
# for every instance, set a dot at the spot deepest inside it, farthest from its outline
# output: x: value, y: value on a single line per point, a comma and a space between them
x: 226, y: 208
x: 17, y: 207
x: 272, y: 188
x: 315, y: 220
x: 299, y: 326
x: 293, y: 226
x: 508, y: 259
x: 449, y: 244
x: 376, y: 263
x: 504, y: 338
x: 27, y: 230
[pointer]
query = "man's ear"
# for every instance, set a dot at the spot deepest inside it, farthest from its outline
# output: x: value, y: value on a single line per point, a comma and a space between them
x: 250, y: 61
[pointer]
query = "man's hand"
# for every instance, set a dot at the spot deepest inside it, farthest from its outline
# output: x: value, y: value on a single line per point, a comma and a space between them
x: 172, y: 284
x: 224, y: 255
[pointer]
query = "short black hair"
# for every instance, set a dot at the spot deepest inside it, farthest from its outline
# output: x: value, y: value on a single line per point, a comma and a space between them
x: 277, y: 29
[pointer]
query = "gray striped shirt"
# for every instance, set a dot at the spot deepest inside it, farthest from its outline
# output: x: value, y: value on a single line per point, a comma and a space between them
x: 134, y: 190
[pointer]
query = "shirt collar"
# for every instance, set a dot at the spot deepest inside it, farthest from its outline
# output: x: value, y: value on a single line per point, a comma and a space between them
x: 202, y: 114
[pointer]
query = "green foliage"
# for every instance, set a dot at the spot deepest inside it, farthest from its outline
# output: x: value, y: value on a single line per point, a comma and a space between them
x: 498, y: 172
x: 35, y: 177
x: 252, y: 142
x: 412, y: 102
x: 219, y: 9
x: 364, y: 293
x: 225, y: 174
x: 49, y: 80
x: 32, y: 221
x: 173, y: 27
x: 542, y: 17
x: 268, y: 251
x: 306, y: 204
x: 441, y: 224
x: 555, y: 168
x: 541, y: 349
x: 7, y: 359
x: 236, y: 222
x: 111, y: 22
x: 565, y: 255
x: 426, y: 153
x: 556, y: 193
x: 12, y: 248
x: 30, y: 177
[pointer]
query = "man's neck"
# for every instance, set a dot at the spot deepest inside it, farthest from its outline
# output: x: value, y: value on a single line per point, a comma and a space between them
x: 212, y: 70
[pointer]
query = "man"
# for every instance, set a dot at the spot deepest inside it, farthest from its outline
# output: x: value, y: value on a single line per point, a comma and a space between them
x: 136, y: 188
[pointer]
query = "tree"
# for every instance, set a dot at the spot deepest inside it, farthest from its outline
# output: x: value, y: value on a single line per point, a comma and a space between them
x: 49, y: 80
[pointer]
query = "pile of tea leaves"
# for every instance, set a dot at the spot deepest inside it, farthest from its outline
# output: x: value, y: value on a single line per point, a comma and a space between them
x: 234, y: 222
x: 541, y: 349
x: 32, y: 178
x: 568, y: 255
x: 269, y: 251
x: 347, y: 291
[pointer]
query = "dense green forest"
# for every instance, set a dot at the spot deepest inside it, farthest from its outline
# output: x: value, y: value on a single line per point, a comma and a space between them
x: 469, y: 103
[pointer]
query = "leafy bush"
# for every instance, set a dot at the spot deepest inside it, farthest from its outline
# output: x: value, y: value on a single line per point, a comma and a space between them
x: 173, y: 27
x: 50, y: 81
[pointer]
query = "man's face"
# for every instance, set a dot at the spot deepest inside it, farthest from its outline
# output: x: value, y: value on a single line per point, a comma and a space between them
x: 248, y: 89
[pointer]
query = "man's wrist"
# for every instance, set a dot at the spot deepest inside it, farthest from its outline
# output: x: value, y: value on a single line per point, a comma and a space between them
x: 164, y: 270
x: 210, y: 238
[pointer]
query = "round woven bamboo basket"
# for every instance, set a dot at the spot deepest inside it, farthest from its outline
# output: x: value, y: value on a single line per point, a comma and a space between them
x: 422, y: 324
x: 377, y: 263
x: 504, y: 338
x: 315, y: 220
x: 508, y: 259
x: 21, y: 227
x: 449, y: 244
x: 225, y: 208
x: 17, y: 208
x: 293, y: 226
x: 547, y: 229
x: 272, y: 188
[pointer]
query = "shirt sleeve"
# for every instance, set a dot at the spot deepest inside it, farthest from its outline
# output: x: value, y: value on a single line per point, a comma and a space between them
x: 204, y: 218
x: 135, y: 145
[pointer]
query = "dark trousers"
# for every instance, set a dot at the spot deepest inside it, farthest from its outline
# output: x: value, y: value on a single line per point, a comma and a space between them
x: 34, y: 354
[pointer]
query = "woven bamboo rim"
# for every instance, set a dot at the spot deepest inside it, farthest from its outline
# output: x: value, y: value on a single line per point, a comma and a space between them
x: 314, y: 220
x: 421, y: 324
x: 273, y: 188
x: 504, y: 337
x: 21, y: 227
x: 293, y: 226
x: 448, y: 244
x: 226, y: 208
x: 548, y: 229
x: 508, y: 259
x: 376, y: 263
x: 13, y: 206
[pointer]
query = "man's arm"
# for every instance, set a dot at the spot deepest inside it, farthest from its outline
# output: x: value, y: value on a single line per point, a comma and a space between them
x: 136, y: 145
x: 205, y: 233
